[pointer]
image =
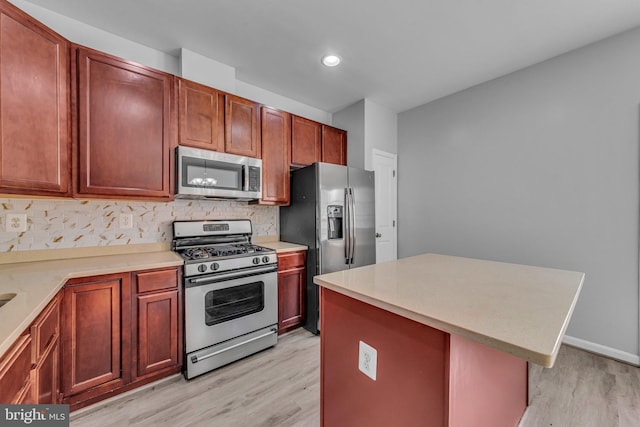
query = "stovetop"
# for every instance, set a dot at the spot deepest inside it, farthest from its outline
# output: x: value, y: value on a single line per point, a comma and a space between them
x: 210, y: 247
x: 216, y: 251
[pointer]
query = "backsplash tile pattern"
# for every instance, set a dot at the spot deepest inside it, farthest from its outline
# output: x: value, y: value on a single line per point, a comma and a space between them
x: 57, y: 223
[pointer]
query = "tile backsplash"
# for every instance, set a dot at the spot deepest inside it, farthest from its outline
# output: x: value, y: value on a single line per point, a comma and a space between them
x: 57, y: 223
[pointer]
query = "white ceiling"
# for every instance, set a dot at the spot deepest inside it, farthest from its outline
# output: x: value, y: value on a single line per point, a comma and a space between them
x: 398, y: 53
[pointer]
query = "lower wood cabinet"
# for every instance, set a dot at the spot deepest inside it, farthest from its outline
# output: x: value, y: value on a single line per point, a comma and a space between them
x: 45, y: 332
x: 158, y: 335
x: 119, y: 331
x: 15, y: 373
x: 96, y: 340
x: 292, y: 278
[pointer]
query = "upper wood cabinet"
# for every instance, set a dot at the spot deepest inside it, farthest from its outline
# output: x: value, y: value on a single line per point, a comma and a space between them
x: 306, y: 141
x: 124, y: 128
x: 334, y: 145
x: 34, y: 112
x: 276, y: 140
x: 242, y: 126
x: 201, y: 116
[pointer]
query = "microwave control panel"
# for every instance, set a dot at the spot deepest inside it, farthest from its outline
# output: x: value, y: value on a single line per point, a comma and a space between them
x: 254, y: 178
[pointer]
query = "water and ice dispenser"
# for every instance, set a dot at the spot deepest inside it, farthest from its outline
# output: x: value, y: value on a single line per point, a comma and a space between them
x: 334, y: 215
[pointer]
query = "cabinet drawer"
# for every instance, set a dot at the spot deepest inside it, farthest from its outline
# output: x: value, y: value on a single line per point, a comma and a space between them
x: 15, y: 370
x: 157, y: 280
x: 45, y: 328
x: 289, y: 260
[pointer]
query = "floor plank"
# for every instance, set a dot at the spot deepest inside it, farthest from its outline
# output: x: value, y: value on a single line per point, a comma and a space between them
x: 280, y: 387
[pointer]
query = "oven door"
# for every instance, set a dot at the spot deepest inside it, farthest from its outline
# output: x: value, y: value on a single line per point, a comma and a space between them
x: 227, y: 305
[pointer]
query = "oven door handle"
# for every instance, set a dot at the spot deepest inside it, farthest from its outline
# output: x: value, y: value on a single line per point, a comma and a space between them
x: 225, y: 276
x: 196, y: 359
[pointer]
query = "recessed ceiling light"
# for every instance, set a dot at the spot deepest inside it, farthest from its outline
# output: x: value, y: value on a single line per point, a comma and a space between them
x: 330, y: 60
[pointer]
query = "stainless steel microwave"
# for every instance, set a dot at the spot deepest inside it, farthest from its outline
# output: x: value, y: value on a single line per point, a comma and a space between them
x: 211, y: 174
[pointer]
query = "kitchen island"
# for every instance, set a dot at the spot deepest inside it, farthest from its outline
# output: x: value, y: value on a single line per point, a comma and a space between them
x: 452, y: 338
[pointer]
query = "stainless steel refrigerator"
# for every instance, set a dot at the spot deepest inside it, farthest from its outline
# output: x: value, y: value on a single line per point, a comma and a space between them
x: 332, y: 211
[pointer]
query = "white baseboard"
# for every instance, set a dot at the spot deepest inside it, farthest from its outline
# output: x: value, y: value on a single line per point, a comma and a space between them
x: 603, y: 350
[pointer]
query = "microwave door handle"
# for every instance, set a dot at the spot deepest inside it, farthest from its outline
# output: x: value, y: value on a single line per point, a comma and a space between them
x: 245, y: 178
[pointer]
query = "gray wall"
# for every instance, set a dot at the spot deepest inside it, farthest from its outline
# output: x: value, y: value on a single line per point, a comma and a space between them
x: 538, y: 167
x: 351, y: 119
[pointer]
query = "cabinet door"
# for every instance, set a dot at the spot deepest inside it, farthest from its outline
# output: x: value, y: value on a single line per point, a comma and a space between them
x: 157, y: 338
x: 242, y: 127
x: 276, y: 140
x: 306, y: 141
x: 292, y: 278
x: 291, y: 299
x: 34, y: 112
x: 201, y: 122
x: 15, y: 373
x: 334, y: 145
x: 124, y: 125
x: 47, y: 376
x: 96, y: 315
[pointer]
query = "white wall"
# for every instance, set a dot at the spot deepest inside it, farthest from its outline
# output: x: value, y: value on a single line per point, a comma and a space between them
x: 368, y: 125
x: 189, y: 64
x: 95, y: 38
x: 538, y: 167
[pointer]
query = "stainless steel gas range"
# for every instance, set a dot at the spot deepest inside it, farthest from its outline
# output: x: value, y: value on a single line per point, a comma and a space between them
x: 231, y: 293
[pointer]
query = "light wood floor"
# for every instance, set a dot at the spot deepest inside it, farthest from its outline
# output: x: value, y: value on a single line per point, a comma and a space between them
x: 280, y: 387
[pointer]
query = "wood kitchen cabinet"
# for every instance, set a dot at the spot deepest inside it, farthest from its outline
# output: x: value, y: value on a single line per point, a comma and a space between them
x: 201, y: 116
x: 158, y: 334
x: 45, y: 331
x: 15, y: 373
x: 276, y: 142
x: 124, y: 128
x: 119, y: 331
x: 306, y: 141
x: 334, y: 145
x: 96, y: 338
x: 292, y: 278
x: 30, y: 371
x: 34, y: 112
x: 242, y: 126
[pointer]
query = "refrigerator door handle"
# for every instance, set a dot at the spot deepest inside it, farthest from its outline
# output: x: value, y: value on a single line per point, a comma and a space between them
x: 347, y: 229
x: 352, y: 225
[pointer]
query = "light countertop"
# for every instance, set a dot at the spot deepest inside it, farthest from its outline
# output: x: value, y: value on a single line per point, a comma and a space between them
x: 281, y: 247
x: 518, y: 309
x: 36, y: 283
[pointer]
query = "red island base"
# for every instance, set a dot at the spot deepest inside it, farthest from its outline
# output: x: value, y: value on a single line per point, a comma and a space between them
x: 425, y: 377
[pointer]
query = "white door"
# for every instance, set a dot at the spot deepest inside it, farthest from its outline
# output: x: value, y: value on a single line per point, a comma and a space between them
x: 385, y: 166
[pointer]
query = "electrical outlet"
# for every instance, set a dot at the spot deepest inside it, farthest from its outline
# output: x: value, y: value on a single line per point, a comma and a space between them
x: 368, y: 360
x: 15, y: 223
x: 126, y: 220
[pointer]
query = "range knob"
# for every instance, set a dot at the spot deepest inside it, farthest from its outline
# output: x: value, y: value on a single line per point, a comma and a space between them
x: 215, y: 266
x: 256, y: 260
x: 202, y: 268
x: 265, y: 259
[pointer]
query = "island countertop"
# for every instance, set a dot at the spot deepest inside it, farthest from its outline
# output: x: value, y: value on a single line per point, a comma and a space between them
x: 518, y: 309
